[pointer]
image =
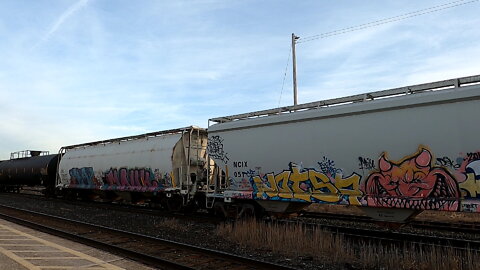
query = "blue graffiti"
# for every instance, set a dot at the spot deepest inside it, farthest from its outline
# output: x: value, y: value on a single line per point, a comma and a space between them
x: 327, y: 167
x: 82, y: 177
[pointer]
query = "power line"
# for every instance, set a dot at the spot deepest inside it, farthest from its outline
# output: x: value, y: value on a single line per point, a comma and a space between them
x: 285, y: 76
x: 387, y: 20
x: 372, y: 24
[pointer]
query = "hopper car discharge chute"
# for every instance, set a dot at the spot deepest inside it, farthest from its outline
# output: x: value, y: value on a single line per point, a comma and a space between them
x: 166, y: 168
x: 394, y: 153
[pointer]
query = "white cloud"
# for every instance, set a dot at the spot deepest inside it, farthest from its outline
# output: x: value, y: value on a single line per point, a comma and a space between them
x: 121, y: 68
x: 61, y: 19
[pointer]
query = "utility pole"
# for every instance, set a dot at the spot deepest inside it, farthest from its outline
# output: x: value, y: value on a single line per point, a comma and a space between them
x: 294, y: 39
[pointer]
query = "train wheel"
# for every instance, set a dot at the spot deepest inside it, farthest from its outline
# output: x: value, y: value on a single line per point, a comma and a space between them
x: 172, y: 204
x: 219, y: 209
x: 247, y: 211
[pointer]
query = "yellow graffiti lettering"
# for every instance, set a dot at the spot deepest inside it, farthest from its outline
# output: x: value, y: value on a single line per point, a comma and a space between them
x: 285, y: 195
x: 261, y: 187
x: 327, y: 197
x: 349, y: 186
x: 277, y: 183
x: 297, y: 178
x: 308, y: 185
x: 302, y: 196
x: 471, y: 185
x: 353, y: 200
x: 271, y: 194
x: 282, y: 178
x: 281, y: 182
x: 324, y: 182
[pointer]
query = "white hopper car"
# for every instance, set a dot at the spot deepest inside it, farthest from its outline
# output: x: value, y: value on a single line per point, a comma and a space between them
x: 165, y: 167
x: 394, y: 152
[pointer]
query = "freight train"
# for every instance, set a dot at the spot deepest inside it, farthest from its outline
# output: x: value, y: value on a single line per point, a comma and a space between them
x: 394, y: 153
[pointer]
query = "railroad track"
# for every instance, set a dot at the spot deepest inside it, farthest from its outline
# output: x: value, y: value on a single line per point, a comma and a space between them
x: 150, y: 250
x: 126, y: 208
x: 464, y: 227
x: 372, y: 234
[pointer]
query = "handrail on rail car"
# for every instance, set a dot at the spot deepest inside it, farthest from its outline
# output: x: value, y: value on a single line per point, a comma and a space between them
x: 406, y: 90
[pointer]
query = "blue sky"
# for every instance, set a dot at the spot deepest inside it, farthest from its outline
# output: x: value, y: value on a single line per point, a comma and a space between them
x: 75, y: 71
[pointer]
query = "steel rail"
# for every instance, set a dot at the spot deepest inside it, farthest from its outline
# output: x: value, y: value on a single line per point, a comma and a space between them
x: 393, y: 235
x: 144, y: 257
x: 464, y: 227
x: 126, y: 208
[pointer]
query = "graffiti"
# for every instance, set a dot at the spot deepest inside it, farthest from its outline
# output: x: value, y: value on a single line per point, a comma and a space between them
x: 244, y: 184
x: 215, y: 149
x: 412, y: 183
x: 245, y: 174
x: 164, y: 179
x: 238, y: 194
x: 248, y: 174
x: 471, y: 186
x: 447, y: 162
x: 366, y: 163
x: 419, y: 181
x: 327, y: 166
x: 472, y: 156
x: 83, y: 178
x: 308, y: 185
x: 131, y: 179
x: 241, y: 185
x: 121, y: 179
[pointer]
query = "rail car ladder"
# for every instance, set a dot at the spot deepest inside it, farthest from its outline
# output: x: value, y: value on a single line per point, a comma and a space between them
x: 217, y: 183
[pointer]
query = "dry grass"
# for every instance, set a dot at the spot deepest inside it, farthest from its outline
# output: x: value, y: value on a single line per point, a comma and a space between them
x: 171, y: 224
x: 276, y: 238
x: 326, y: 249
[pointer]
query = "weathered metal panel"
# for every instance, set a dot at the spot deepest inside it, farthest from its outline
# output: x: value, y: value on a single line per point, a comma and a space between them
x: 140, y: 164
x: 417, y: 151
x: 36, y: 170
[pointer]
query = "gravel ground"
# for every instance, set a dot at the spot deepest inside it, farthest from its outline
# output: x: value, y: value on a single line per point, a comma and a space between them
x: 405, y: 229
x: 182, y: 230
x: 198, y: 234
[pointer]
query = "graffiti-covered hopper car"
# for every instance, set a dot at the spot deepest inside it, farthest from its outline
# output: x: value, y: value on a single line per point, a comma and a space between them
x: 406, y: 149
x: 171, y: 163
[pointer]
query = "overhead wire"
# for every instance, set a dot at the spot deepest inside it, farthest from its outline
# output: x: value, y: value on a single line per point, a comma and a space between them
x: 387, y: 20
x: 373, y: 24
x: 285, y: 75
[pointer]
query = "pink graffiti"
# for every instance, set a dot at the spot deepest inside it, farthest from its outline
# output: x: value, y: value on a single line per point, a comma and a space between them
x: 133, y: 179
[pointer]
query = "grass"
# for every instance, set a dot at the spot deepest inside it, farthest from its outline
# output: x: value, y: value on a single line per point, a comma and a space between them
x: 326, y: 249
x: 171, y: 224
